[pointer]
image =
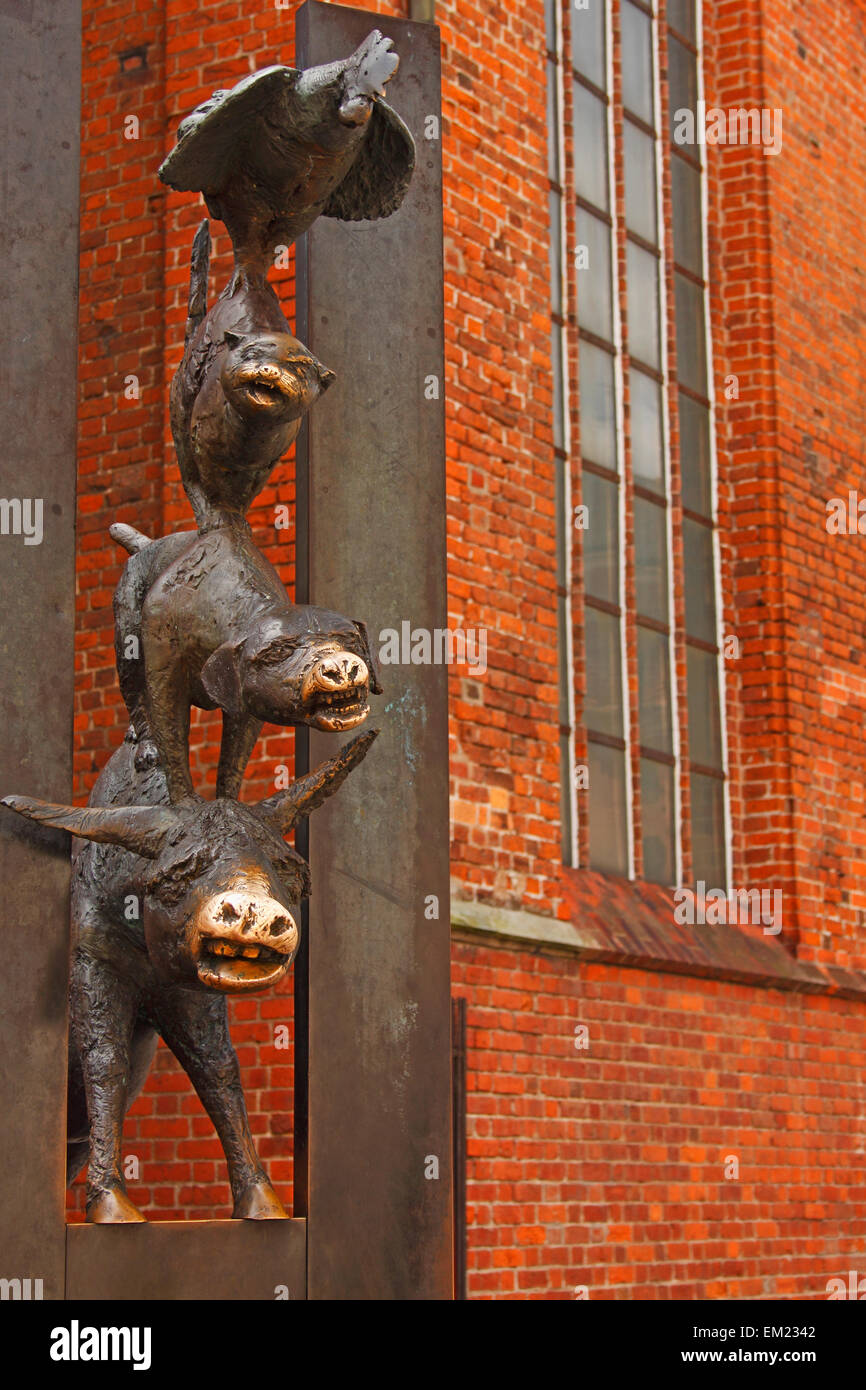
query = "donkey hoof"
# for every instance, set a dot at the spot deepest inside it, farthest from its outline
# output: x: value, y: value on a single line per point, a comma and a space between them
x: 260, y: 1203
x: 113, y: 1208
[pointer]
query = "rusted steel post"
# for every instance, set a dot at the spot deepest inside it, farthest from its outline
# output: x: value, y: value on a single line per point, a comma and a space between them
x: 40, y: 78
x: 372, y: 500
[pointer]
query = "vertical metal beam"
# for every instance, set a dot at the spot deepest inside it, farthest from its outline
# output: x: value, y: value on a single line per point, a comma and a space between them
x: 458, y: 1125
x: 40, y: 78
x: 371, y: 492
x: 422, y: 9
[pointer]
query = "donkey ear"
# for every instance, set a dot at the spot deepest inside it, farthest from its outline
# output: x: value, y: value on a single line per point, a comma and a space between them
x: 141, y: 829
x: 284, y: 810
x: 370, y: 658
x: 221, y: 678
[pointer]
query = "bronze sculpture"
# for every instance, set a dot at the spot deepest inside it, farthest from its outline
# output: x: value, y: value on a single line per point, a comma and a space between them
x: 211, y: 624
x: 283, y: 147
x: 270, y: 156
x: 240, y: 392
x: 219, y: 891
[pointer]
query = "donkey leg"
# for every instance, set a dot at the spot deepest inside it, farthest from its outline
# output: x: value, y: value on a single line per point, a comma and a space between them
x: 104, y: 1009
x: 195, y: 1027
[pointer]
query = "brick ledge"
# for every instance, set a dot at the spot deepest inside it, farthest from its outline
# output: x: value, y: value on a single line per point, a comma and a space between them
x: 721, y: 953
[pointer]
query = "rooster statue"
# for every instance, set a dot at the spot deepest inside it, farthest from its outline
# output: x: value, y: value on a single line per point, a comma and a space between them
x: 282, y: 147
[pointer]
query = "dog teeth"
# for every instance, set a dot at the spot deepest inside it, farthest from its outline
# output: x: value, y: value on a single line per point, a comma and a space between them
x: 251, y: 952
x: 341, y: 697
x: 223, y: 948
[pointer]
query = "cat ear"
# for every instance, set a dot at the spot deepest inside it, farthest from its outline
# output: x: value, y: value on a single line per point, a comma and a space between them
x: 326, y: 376
x: 221, y: 678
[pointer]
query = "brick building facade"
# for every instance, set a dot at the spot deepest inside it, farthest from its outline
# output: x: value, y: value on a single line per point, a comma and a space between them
x: 654, y: 1109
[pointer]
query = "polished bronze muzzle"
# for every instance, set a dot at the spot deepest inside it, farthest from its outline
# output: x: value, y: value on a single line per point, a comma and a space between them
x: 243, y: 940
x: 335, y: 692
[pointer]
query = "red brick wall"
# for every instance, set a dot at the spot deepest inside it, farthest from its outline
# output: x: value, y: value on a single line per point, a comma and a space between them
x: 601, y: 1167
x: 502, y: 550
x: 787, y: 250
x: 604, y: 1167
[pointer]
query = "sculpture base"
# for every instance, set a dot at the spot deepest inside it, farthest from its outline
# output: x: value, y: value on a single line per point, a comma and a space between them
x: 187, y: 1260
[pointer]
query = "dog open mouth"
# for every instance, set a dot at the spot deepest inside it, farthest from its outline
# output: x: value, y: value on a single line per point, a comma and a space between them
x: 340, y: 709
x: 233, y: 966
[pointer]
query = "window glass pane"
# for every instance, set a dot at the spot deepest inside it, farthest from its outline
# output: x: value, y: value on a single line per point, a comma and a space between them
x: 587, y: 42
x: 640, y: 183
x: 563, y: 545
x: 686, y: 199
x: 681, y: 16
x: 603, y: 711
x: 554, y: 206
x: 565, y: 799
x: 650, y: 558
x: 695, y: 456
x: 642, y: 269
x: 708, y: 831
x: 657, y: 821
x: 654, y: 689
x: 647, y: 453
x: 637, y: 67
x: 698, y: 573
x: 593, y: 281
x: 601, y: 538
x: 705, y: 738
x: 608, y: 836
x: 590, y: 150
x: 558, y: 392
x: 597, y: 417
x: 550, y: 23
x: 683, y: 80
x: 552, y: 125
x: 691, y: 335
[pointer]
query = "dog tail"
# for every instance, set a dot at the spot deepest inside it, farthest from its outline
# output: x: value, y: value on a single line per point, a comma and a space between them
x: 128, y: 537
x: 198, y: 273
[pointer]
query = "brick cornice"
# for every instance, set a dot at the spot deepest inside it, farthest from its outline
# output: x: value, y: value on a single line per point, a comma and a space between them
x: 633, y: 925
